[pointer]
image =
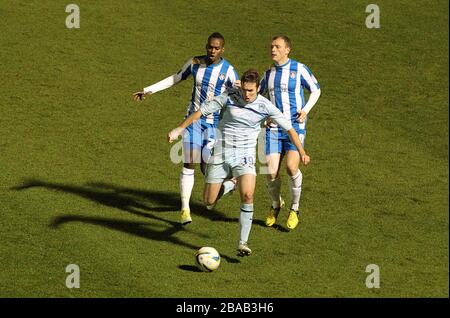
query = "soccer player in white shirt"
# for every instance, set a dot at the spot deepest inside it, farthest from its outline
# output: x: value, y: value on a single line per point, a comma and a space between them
x: 211, y: 74
x: 243, y: 111
x: 285, y: 82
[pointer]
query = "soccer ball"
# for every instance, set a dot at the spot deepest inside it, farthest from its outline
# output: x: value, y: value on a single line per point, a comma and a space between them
x: 208, y: 259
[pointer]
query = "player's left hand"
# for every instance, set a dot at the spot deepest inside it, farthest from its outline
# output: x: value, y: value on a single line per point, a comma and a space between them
x: 305, y: 159
x: 301, y: 116
x: 174, y: 134
x: 268, y: 123
x: 138, y: 96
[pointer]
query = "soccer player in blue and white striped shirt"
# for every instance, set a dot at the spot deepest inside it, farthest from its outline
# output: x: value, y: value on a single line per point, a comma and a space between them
x: 285, y: 83
x: 211, y: 74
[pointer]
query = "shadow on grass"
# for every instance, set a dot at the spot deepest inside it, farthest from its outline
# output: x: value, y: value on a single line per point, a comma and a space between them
x: 275, y: 226
x: 129, y: 200
x: 190, y: 268
x: 139, y: 229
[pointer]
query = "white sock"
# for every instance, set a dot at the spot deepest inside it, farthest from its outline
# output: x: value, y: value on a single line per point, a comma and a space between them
x: 295, y: 183
x: 273, y: 186
x: 245, y: 222
x: 186, y: 185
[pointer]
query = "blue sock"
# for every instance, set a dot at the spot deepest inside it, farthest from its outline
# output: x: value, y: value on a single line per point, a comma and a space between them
x: 245, y: 221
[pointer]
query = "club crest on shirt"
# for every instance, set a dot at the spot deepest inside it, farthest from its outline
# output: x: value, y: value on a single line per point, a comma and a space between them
x: 261, y: 108
x: 293, y: 74
x: 222, y: 76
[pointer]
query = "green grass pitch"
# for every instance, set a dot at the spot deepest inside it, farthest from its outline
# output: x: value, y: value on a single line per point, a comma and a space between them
x: 86, y: 179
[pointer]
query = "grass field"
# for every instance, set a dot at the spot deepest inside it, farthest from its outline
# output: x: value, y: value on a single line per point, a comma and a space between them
x: 86, y: 178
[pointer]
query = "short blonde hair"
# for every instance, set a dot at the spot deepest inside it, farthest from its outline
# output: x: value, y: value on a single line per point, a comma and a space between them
x: 286, y: 39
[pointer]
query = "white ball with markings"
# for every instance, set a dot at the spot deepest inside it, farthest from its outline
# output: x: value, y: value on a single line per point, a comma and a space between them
x: 208, y: 259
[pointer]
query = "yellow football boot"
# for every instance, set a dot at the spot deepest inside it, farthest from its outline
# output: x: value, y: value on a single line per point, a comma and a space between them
x: 292, y: 220
x: 271, y: 218
x: 186, y: 216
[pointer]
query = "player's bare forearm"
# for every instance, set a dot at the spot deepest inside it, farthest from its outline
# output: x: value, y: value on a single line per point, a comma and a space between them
x: 188, y: 121
x: 296, y: 141
x: 175, y: 133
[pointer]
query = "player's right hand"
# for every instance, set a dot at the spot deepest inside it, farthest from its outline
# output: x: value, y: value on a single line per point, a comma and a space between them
x: 301, y: 116
x: 138, y: 96
x: 305, y: 159
x: 174, y: 134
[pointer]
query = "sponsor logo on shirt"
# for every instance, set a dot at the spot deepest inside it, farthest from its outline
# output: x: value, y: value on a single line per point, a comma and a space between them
x: 279, y: 89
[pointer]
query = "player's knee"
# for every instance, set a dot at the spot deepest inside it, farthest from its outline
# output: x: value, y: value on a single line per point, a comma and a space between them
x: 271, y: 176
x: 247, y: 197
x: 208, y: 199
x: 292, y: 169
x: 272, y: 168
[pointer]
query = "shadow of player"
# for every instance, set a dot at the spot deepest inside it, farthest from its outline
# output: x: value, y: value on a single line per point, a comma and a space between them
x: 125, y: 199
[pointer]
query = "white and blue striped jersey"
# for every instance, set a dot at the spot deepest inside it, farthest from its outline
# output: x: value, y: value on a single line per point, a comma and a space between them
x: 240, y: 123
x: 209, y: 81
x: 285, y: 85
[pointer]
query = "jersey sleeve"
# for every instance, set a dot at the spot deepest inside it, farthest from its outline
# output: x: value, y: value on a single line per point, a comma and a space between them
x: 308, y: 80
x: 214, y: 105
x: 232, y: 77
x: 277, y: 116
x: 171, y: 80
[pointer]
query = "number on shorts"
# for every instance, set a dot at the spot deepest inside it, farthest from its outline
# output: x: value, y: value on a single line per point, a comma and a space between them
x: 248, y: 161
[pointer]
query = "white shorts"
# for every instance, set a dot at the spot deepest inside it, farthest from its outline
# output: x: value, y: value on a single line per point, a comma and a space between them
x: 218, y: 172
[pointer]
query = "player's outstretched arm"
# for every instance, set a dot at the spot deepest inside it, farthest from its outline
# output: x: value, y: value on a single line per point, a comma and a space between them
x: 296, y: 140
x: 176, y: 132
x: 207, y: 108
x: 161, y: 85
